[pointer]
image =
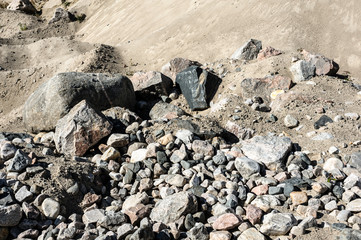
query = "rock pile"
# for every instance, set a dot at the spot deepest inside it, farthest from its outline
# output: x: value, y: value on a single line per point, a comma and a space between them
x: 143, y: 181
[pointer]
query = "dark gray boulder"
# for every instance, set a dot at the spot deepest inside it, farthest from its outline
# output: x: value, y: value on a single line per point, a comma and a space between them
x: 198, y: 86
x: 248, y: 51
x: 54, y: 99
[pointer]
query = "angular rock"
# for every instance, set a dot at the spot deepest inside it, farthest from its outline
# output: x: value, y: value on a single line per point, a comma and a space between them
x: 198, y: 86
x: 248, y: 51
x: 148, y: 84
x: 290, y: 121
x: 63, y: 15
x: 173, y: 207
x: 270, y: 150
x: 165, y: 110
x: 118, y: 140
x: 112, y: 219
x: 354, y: 205
x: 322, y: 121
x: 7, y: 150
x: 19, y: 162
x: 349, y: 234
x: 268, y: 52
x: 137, y: 213
x: 93, y: 216
x: 298, y: 198
x: 80, y: 129
x: 332, y: 163
x: 23, y: 194
x: 240, y: 132
x: 138, y: 155
x: 10, y: 215
x: 251, y: 234
x: 254, y: 214
x: 220, y: 235
x: 110, y: 154
x: 203, y: 147
x: 226, y: 222
x: 51, y: 208
x: 302, y: 70
x: 277, y: 223
x: 134, y: 200
x: 56, y: 97
x: 176, y: 66
x: 355, y: 160
x: 246, y: 167
x: 265, y: 202
x: 198, y: 232
x: 22, y: 5
x: 323, y: 65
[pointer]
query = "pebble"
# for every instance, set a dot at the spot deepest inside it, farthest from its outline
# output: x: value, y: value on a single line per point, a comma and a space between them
x: 51, y: 208
x: 290, y: 121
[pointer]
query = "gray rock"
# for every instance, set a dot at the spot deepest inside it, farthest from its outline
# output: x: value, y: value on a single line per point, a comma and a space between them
x: 187, y: 136
x: 198, y: 86
x: 176, y: 66
x: 134, y: 200
x: 265, y: 202
x: 148, y: 84
x: 290, y: 121
x: 56, y: 97
x: 63, y: 15
x: 66, y: 233
x: 19, y: 162
x: 355, y: 160
x: 118, y: 140
x: 143, y: 233
x: 343, y: 215
x: 354, y: 205
x: 112, y: 219
x: 278, y: 223
x: 251, y: 234
x: 173, y: 207
x: 270, y: 150
x: 198, y: 232
x: 124, y: 230
x: 322, y: 136
x: 10, y: 215
x: 322, y: 121
x: 51, y: 208
x: 219, y: 158
x: 93, y: 216
x: 246, y: 167
x: 22, y: 5
x: 349, y: 234
x: 7, y: 150
x: 163, y: 109
x: 176, y: 180
x: 23, y: 194
x: 302, y: 70
x: 80, y: 129
x: 248, y: 51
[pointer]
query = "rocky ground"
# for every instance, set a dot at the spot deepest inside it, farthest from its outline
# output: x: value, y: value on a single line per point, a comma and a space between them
x: 262, y: 144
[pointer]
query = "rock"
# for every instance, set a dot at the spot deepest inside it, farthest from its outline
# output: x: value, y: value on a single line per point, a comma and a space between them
x: 198, y: 86
x: 220, y: 235
x: 240, y: 132
x: 352, y: 116
x: 203, y: 147
x: 112, y: 218
x: 150, y: 84
x: 134, y: 200
x: 265, y: 202
x: 142, y: 233
x: 165, y: 110
x: 263, y: 87
x: 290, y: 121
x: 198, y: 232
x: 349, y: 234
x: 22, y: 5
x: 10, y: 215
x: 226, y: 221
x: 251, y: 234
x: 56, y: 97
x: 138, y: 155
x: 322, y: 136
x: 260, y: 189
x: 248, y: 51
x: 118, y: 140
x: 19, y: 162
x: 277, y: 223
x: 323, y: 65
x: 322, y: 121
x: 176, y: 180
x: 51, y: 208
x: 268, y: 52
x: 332, y: 163
x: 354, y: 205
x: 93, y: 216
x: 173, y: 207
x: 23, y: 194
x: 110, y: 154
x: 185, y: 135
x: 254, y: 214
x: 80, y: 129
x: 63, y: 15
x: 137, y: 213
x: 124, y: 230
x: 355, y: 160
x: 330, y: 206
x: 298, y: 198
x: 270, y: 150
x: 176, y: 66
x: 7, y: 150
x: 302, y: 70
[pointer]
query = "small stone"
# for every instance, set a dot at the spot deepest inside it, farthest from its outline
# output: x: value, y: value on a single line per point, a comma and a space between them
x: 278, y: 223
x: 93, y: 216
x: 138, y: 155
x: 226, y: 222
x: 51, y: 208
x: 19, y: 162
x: 220, y: 235
x: 333, y: 150
x: 118, y: 140
x: 330, y: 206
x: 290, y: 121
x: 110, y: 154
x: 322, y: 121
x: 332, y: 163
x: 251, y: 234
x: 343, y: 215
x: 354, y: 205
x: 23, y: 194
x: 254, y: 214
x: 298, y: 198
x: 260, y: 190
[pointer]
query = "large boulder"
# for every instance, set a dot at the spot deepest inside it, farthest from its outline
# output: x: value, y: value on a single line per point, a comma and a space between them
x: 54, y: 99
x: 22, y: 5
x: 248, y: 51
x: 173, y: 207
x: 198, y: 86
x: 302, y: 70
x: 150, y: 84
x: 270, y: 150
x: 80, y: 129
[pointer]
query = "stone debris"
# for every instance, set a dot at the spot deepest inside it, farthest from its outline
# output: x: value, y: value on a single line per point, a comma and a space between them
x: 248, y: 51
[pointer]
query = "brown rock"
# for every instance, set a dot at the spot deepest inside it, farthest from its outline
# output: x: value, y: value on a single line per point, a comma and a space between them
x: 166, y: 139
x: 298, y: 198
x: 89, y: 199
x: 254, y: 214
x: 137, y: 213
x: 226, y: 221
x: 80, y: 129
x: 151, y: 83
x: 268, y: 52
x: 260, y: 190
x: 240, y: 132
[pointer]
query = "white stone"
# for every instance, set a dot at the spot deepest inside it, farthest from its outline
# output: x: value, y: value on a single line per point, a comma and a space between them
x: 138, y: 155
x: 51, y: 208
x: 332, y: 163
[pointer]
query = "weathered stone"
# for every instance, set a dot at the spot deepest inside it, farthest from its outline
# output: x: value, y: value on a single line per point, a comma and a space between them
x: 198, y: 86
x: 62, y: 15
x: 332, y: 163
x: 22, y: 5
x: 278, y: 223
x: 248, y: 51
x: 268, y: 52
x: 56, y: 97
x: 349, y: 234
x: 251, y: 234
x: 134, y: 200
x: 124, y: 230
x: 176, y: 180
x: 302, y: 70
x: 165, y: 110
x: 173, y: 207
x: 23, y: 194
x: 19, y: 162
x: 112, y: 218
x: 260, y: 190
x: 7, y: 150
x: 298, y: 198
x: 265, y: 202
x: 110, y: 154
x: 270, y: 150
x: 355, y: 160
x: 198, y: 232
x: 93, y: 216
x: 51, y: 208
x: 176, y: 66
x: 118, y: 140
x: 240, y: 132
x: 137, y: 213
x: 323, y: 136
x: 148, y: 84
x: 323, y: 65
x: 10, y: 215
x: 322, y: 121
x: 226, y: 221
x: 246, y: 167
x: 203, y: 147
x: 80, y: 129
x: 290, y: 121
x: 354, y: 205
x: 220, y: 235
x: 138, y: 155
x: 254, y: 214
x: 89, y: 199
